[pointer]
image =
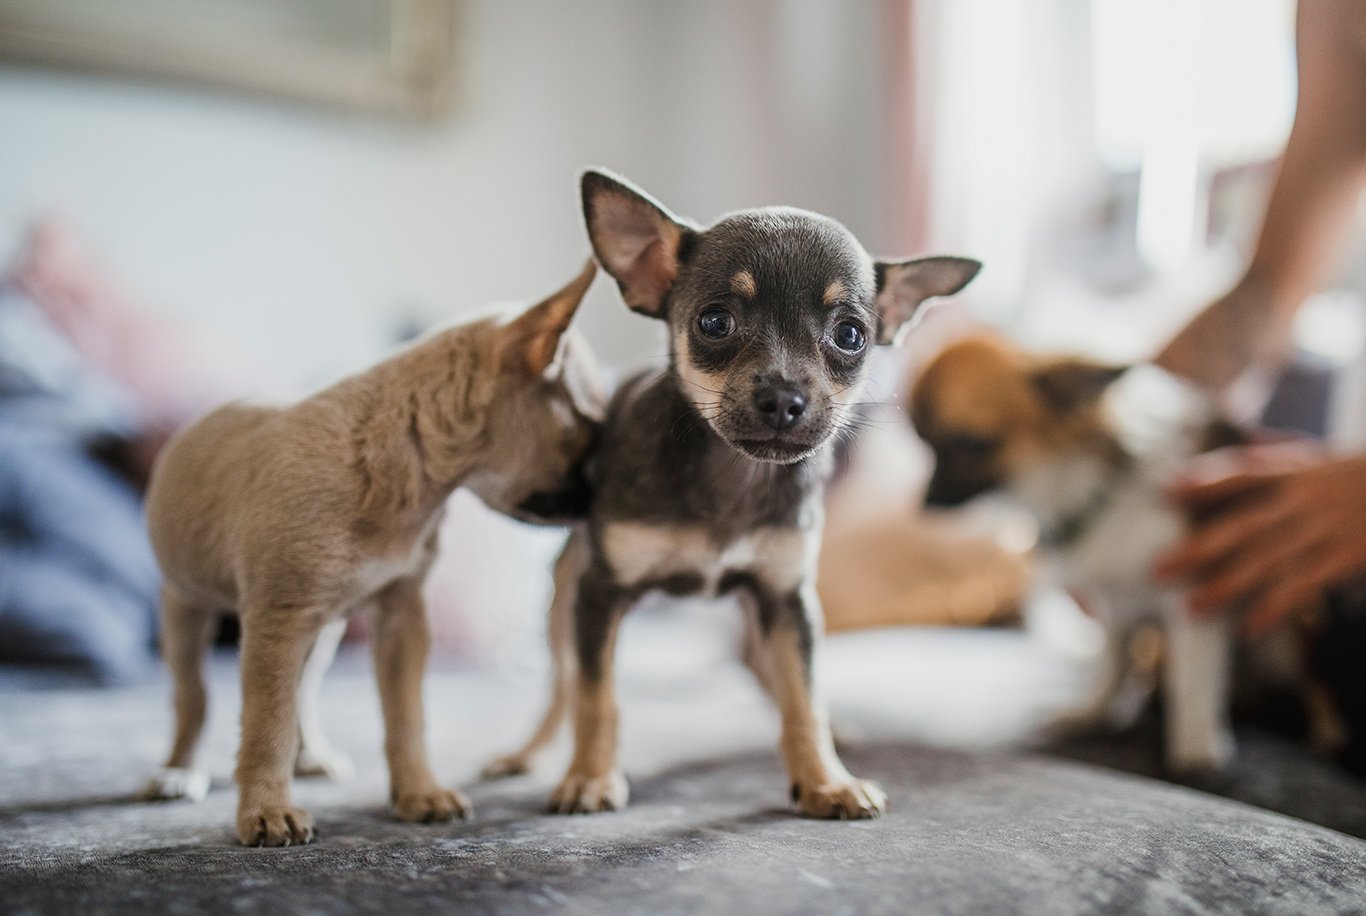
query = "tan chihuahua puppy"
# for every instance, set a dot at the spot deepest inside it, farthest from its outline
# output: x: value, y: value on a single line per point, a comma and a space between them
x: 295, y: 517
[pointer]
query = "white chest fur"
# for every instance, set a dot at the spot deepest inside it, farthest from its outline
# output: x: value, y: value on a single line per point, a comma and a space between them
x: 1123, y: 541
x: 639, y: 554
x: 376, y: 572
x: 1156, y: 418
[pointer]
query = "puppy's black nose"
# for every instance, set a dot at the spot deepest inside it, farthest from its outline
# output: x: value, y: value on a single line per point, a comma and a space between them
x: 781, y: 406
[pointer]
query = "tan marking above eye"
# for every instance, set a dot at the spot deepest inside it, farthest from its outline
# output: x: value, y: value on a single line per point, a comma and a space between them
x: 742, y: 284
x: 835, y: 293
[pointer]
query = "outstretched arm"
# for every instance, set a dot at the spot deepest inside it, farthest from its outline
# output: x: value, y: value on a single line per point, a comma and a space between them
x: 1312, y: 203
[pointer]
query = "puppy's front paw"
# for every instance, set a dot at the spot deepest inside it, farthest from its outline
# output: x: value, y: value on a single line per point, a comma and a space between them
x: 176, y: 782
x: 274, y: 826
x: 855, y: 799
x: 1199, y: 756
x: 430, y: 806
x: 506, y: 765
x: 588, y: 794
x: 326, y: 762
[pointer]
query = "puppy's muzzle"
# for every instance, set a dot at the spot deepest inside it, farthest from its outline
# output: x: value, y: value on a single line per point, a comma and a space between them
x: 557, y: 507
x: 780, y: 405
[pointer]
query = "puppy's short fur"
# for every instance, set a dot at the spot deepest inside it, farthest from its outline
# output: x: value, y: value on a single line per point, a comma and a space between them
x: 1089, y: 459
x: 296, y: 517
x: 710, y: 473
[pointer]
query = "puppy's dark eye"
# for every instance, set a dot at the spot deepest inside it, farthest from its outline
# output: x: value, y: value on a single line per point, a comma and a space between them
x: 716, y: 323
x: 848, y: 337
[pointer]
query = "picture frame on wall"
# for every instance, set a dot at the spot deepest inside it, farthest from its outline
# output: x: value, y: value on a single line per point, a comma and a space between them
x: 386, y: 57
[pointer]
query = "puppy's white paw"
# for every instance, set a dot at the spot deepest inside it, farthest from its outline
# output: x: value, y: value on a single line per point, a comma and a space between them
x: 282, y: 825
x: 506, y: 765
x: 582, y: 793
x: 324, y: 762
x: 1200, y: 754
x: 176, y: 782
x: 429, y: 806
x: 852, y: 800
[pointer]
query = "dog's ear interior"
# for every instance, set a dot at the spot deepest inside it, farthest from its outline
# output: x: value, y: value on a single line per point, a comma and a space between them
x: 635, y: 238
x: 903, y: 285
x: 1070, y: 383
x: 534, y: 336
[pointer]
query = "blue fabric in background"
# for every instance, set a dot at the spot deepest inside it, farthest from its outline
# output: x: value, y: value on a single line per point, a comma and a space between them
x: 78, y: 580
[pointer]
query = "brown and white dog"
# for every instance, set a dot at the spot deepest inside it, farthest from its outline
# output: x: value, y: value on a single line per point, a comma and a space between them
x: 1059, y: 436
x: 1088, y: 449
x: 296, y: 517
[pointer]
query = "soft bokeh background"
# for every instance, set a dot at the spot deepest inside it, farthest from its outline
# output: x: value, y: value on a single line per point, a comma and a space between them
x: 313, y: 236
x: 1107, y: 160
x: 1050, y: 138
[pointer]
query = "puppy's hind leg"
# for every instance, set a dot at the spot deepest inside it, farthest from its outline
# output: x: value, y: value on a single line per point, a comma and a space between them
x: 317, y: 756
x: 1327, y: 729
x: 1118, y: 696
x: 560, y: 630
x: 1199, y: 736
x: 594, y: 782
x: 186, y: 632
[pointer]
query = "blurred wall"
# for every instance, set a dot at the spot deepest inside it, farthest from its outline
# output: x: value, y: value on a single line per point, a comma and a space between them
x: 310, y: 237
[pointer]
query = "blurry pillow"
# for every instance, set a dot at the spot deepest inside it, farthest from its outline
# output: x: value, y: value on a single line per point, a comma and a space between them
x: 170, y: 374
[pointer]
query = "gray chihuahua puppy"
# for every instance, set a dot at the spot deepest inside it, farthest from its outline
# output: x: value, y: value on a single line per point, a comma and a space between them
x: 709, y: 475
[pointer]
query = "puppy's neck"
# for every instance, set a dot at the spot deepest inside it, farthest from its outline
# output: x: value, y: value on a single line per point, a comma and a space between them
x: 419, y: 429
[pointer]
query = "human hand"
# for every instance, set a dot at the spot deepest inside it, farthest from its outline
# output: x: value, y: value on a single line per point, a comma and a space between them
x: 1292, y: 524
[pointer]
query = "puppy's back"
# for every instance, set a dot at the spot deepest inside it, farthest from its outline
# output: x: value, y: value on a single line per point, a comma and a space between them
x: 201, y: 481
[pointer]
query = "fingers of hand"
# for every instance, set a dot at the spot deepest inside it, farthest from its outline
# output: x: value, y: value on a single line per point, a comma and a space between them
x: 1229, y: 473
x: 1300, y: 586
x: 1247, y: 531
x: 1243, y: 574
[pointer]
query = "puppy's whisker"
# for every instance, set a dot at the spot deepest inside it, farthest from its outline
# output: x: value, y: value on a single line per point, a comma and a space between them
x: 689, y: 422
x: 722, y: 393
x: 862, y: 422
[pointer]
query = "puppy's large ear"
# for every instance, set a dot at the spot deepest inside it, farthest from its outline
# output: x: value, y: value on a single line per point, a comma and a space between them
x: 903, y: 285
x: 636, y: 239
x: 1070, y: 383
x: 534, y: 336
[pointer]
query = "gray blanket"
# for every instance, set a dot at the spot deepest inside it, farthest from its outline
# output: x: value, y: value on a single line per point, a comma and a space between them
x: 976, y: 828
